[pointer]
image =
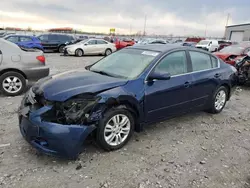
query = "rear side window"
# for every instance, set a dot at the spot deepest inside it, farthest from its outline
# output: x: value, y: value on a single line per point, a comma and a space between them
x: 200, y: 61
x: 25, y: 39
x: 53, y: 37
x: 214, y: 62
x: 101, y: 42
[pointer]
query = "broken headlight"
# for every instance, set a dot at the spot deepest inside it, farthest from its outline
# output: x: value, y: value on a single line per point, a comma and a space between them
x: 73, y: 111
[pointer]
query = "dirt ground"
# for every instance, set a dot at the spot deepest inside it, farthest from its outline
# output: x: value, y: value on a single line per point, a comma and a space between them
x: 195, y: 150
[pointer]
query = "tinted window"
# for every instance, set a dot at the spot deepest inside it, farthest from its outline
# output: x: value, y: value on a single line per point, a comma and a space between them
x: 214, y: 62
x: 12, y: 39
x: 101, y: 42
x: 44, y: 37
x: 174, y: 63
x: 92, y: 42
x: 53, y: 37
x: 200, y: 61
x: 64, y: 38
x: 25, y: 39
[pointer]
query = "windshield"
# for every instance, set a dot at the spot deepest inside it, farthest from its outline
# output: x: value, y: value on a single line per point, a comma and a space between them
x: 237, y: 50
x: 127, y: 63
x: 204, y: 42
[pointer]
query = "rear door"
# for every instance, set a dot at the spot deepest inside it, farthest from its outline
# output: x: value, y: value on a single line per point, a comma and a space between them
x: 101, y: 46
x: 206, y: 77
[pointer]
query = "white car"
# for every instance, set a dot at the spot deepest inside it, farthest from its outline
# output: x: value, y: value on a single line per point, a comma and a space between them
x: 209, y: 45
x: 90, y: 47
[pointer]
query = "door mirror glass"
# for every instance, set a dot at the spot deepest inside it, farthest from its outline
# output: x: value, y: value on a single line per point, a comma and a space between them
x: 155, y: 75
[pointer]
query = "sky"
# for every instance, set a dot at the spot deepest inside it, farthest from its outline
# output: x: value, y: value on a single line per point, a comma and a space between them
x: 163, y: 17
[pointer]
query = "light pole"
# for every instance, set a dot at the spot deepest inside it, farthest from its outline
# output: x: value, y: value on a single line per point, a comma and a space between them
x: 145, y: 22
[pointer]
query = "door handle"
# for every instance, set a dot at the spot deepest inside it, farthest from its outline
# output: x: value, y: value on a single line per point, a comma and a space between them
x: 217, y: 75
x: 187, y: 84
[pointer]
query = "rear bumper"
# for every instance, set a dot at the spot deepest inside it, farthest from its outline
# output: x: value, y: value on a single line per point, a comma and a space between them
x: 52, y: 138
x: 36, y: 73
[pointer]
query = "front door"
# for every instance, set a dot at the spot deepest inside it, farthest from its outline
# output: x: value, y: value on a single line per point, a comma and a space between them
x: 91, y: 47
x: 167, y: 98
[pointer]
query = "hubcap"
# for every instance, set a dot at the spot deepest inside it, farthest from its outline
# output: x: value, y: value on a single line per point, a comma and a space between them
x: 12, y: 84
x: 117, y: 130
x: 220, y: 100
x: 79, y: 53
x: 108, y: 52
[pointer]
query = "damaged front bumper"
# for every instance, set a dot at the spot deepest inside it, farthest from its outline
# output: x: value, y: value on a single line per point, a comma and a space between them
x: 52, y: 138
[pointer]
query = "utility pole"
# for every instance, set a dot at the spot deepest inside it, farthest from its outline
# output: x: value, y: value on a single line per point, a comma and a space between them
x: 130, y: 30
x: 206, y: 31
x: 145, y: 22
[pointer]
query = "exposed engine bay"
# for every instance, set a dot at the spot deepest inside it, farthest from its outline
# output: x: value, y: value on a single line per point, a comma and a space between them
x: 73, y: 111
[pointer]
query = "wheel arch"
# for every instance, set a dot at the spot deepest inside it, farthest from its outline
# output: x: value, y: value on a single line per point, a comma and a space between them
x: 128, y: 103
x: 227, y: 86
x: 13, y: 70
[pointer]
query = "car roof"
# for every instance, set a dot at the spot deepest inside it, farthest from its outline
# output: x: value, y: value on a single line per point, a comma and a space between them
x: 163, y: 48
x: 157, y: 47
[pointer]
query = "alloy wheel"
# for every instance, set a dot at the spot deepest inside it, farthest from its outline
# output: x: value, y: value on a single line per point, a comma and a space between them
x: 12, y: 84
x: 117, y: 130
x: 220, y: 100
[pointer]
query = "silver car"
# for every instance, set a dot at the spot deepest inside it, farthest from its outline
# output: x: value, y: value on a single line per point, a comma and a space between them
x: 17, y: 66
x: 90, y: 47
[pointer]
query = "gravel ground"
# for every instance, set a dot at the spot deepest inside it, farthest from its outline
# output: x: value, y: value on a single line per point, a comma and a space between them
x: 195, y: 150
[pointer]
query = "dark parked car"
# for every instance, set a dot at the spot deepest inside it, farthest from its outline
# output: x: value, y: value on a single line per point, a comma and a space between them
x: 121, y: 93
x: 55, y: 42
x: 25, y: 41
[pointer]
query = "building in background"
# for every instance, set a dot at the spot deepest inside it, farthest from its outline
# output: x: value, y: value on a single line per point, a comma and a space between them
x: 238, y: 33
x: 62, y: 30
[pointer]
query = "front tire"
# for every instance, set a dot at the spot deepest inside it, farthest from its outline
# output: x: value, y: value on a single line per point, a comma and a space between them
x: 12, y: 83
x: 219, y: 100
x: 115, y: 129
x: 79, y: 53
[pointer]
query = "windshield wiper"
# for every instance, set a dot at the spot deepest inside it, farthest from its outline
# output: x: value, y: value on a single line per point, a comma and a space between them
x: 107, y: 74
x: 102, y: 72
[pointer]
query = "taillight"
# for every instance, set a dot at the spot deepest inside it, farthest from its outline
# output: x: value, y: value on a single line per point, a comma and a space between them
x: 41, y: 58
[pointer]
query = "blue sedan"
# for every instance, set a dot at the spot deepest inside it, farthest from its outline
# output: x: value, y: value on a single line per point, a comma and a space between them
x: 25, y: 41
x: 120, y: 94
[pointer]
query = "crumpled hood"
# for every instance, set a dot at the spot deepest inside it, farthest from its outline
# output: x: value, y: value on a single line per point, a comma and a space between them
x: 222, y: 55
x: 63, y: 86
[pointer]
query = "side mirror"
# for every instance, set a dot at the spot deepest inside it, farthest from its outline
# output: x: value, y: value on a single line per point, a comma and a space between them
x: 85, y: 44
x: 159, y: 76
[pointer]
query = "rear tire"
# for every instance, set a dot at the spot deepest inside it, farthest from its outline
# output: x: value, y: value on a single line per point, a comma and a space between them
x: 108, y: 52
x: 79, y: 52
x: 12, y: 83
x: 219, y: 100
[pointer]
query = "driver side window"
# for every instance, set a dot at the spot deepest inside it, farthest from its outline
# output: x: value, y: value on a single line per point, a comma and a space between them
x: 174, y: 64
x: 92, y: 42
